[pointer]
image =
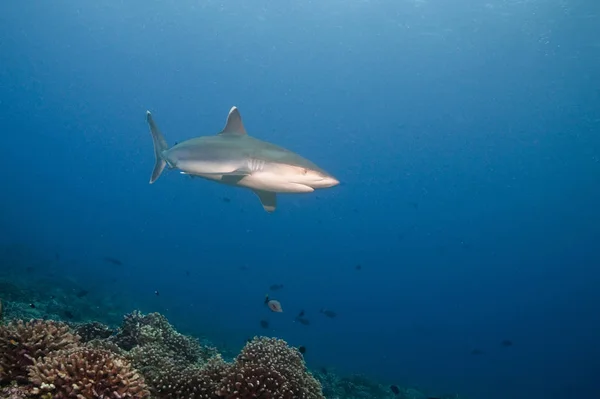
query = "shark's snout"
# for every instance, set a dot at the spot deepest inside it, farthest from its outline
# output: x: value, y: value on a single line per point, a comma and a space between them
x: 325, y: 182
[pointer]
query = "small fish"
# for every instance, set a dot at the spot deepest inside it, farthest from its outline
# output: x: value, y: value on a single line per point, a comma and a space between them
x: 114, y: 261
x: 156, y: 293
x: 476, y: 352
x: 506, y: 343
x: 329, y: 313
x: 187, y: 273
x: 32, y: 305
x: 57, y: 256
x: 69, y: 314
x: 227, y: 200
x: 81, y: 293
x: 301, y: 319
x: 1, y: 310
x: 276, y: 287
x: 273, y: 304
x: 29, y: 269
x: 395, y: 389
x: 358, y: 267
x: 264, y: 324
x: 302, y: 349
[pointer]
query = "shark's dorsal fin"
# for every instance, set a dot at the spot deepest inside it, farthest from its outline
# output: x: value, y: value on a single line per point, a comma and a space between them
x: 234, y: 125
x: 268, y: 199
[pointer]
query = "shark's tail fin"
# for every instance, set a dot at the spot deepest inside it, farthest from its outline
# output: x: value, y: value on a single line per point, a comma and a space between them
x: 160, y: 145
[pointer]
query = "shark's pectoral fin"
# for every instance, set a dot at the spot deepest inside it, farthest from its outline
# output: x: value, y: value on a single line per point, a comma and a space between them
x: 235, y: 176
x: 268, y: 199
x: 232, y: 179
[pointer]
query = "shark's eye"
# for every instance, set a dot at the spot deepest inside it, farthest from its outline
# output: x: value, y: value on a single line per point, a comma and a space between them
x: 304, y: 171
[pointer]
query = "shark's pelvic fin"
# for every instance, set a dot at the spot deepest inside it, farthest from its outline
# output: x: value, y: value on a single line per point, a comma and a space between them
x: 160, y: 145
x: 234, y: 125
x: 268, y: 199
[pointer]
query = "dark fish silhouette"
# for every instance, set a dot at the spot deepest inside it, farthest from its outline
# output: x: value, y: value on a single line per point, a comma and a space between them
x: 276, y: 287
x: 156, y: 293
x: 358, y: 267
x: 301, y: 319
x: 226, y: 200
x: 187, y: 273
x: 69, y: 314
x: 329, y: 313
x: 32, y: 305
x: 506, y: 343
x: 395, y: 389
x: 114, y: 261
x: 476, y: 352
x: 264, y: 324
x: 302, y: 349
x: 81, y: 293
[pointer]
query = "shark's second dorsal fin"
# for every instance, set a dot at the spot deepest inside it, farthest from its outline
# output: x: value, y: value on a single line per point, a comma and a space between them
x: 234, y: 125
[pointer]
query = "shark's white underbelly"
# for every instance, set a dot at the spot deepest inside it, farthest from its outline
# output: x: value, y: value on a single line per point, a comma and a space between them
x: 273, y: 182
x: 261, y: 181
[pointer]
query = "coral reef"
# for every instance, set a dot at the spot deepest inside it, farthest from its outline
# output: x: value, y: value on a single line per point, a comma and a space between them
x: 173, y: 381
x: 268, y: 367
x: 14, y: 392
x: 147, y: 358
x: 92, y: 330
x: 154, y: 329
x: 86, y: 373
x: 23, y: 342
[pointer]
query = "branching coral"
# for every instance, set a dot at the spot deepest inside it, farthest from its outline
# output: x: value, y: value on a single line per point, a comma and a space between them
x: 86, y: 373
x: 173, y: 381
x: 92, y: 330
x: 22, y: 342
x: 153, y: 328
x: 269, y: 368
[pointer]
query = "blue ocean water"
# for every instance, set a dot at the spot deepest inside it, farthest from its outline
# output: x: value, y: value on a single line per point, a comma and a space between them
x: 466, y: 136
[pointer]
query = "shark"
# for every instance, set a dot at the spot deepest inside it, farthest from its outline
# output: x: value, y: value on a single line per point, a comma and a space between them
x: 235, y: 158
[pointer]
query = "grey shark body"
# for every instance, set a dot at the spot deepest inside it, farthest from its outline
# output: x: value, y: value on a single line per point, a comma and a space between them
x: 234, y: 158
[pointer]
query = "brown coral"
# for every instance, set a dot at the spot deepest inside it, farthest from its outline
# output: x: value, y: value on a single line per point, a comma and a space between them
x: 138, y: 329
x: 169, y: 378
x: 92, y: 330
x: 86, y: 373
x: 22, y: 342
x: 269, y: 368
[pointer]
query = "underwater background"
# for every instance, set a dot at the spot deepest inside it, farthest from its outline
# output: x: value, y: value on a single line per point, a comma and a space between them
x: 460, y: 253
